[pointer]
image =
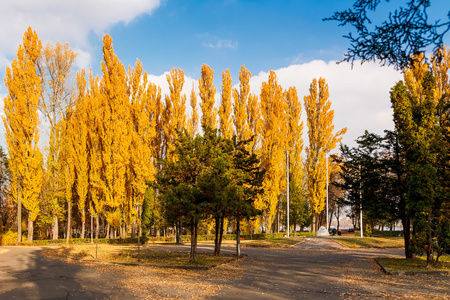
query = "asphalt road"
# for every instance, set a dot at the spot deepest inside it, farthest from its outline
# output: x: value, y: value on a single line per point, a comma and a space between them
x: 26, y: 274
x: 316, y: 268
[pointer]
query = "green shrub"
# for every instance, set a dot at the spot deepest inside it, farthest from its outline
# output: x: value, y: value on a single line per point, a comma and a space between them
x: 367, y: 231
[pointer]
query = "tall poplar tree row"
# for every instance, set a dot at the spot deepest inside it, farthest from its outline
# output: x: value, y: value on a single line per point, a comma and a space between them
x: 21, y: 123
x: 322, y: 140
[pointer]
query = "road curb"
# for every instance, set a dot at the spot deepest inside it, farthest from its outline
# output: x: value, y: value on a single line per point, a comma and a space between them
x: 400, y: 273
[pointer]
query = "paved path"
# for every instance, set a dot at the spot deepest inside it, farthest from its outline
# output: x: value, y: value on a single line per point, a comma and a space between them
x: 318, y: 243
x: 26, y: 274
x: 317, y: 268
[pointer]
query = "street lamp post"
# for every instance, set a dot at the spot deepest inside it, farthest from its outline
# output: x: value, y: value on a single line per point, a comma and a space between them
x: 326, y: 159
x: 287, y: 192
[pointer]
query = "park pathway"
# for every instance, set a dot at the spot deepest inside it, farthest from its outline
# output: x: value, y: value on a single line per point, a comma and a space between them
x: 26, y: 274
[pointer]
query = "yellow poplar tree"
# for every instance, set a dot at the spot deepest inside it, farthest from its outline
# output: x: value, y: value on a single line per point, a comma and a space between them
x: 207, y: 93
x: 294, y: 134
x: 174, y: 109
x: 78, y: 134
x: 254, y: 121
x: 55, y: 68
x: 240, y: 105
x: 21, y: 121
x: 273, y: 142
x: 114, y: 133
x: 93, y: 120
x: 322, y: 140
x: 226, y: 126
x: 193, y: 121
x: 143, y: 132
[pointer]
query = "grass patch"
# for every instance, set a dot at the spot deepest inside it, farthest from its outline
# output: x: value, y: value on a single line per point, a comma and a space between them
x: 130, y: 254
x: 418, y: 263
x: 371, y: 242
x: 272, y: 243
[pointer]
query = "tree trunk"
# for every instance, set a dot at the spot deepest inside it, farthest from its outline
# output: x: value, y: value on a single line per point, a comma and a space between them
x: 330, y: 220
x: 406, y: 222
x: 97, y: 226
x: 30, y: 229
x: 314, y: 229
x: 55, y: 235
x: 19, y: 214
x: 238, y: 237
x: 295, y: 227
x: 69, y: 216
x: 338, y: 225
x: 219, y: 242
x: 216, y: 235
x: 430, y: 259
x: 107, y: 230
x: 133, y: 230
x: 83, y: 223
x: 194, y: 228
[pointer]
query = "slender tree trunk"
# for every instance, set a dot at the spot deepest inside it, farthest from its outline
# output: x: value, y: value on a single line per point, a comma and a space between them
x: 216, y: 235
x: 314, y: 223
x: 69, y: 216
x: 219, y: 240
x: 133, y: 230
x: 19, y: 214
x: 406, y: 222
x: 194, y: 228
x: 55, y: 226
x: 30, y: 229
x: 238, y: 237
x: 83, y: 223
x: 430, y: 258
x: 295, y: 227
x: 107, y: 230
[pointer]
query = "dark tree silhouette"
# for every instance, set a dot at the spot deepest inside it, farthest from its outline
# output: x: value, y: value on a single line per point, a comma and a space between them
x: 406, y: 31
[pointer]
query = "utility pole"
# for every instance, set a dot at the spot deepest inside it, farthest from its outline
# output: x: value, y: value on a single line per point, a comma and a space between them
x: 287, y: 192
x: 326, y: 161
x: 360, y: 203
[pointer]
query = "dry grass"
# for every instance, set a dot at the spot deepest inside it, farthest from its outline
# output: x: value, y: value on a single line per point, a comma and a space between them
x: 415, y: 264
x: 272, y: 243
x: 131, y: 254
x: 371, y: 242
x: 149, y: 282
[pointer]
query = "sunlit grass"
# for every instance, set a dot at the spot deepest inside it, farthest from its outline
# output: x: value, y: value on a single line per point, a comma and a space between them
x: 371, y: 242
x: 272, y: 243
x: 415, y: 264
x: 131, y: 254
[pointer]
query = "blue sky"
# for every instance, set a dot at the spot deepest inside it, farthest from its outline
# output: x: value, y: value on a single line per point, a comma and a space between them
x: 286, y: 36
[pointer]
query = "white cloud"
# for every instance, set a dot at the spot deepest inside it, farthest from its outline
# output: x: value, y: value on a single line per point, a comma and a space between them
x: 219, y: 44
x: 68, y: 21
x: 359, y: 96
x: 212, y: 41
